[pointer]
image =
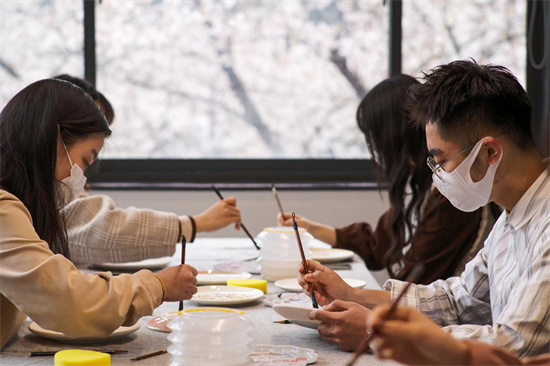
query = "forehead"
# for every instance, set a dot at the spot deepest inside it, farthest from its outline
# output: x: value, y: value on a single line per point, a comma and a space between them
x: 437, y: 146
x: 93, y: 142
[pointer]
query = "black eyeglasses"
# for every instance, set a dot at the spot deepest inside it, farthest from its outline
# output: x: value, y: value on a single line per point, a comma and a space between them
x: 438, y: 168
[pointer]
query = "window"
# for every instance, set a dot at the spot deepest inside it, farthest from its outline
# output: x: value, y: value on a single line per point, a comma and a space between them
x: 38, y: 40
x: 239, y: 79
x: 249, y: 91
x: 436, y: 32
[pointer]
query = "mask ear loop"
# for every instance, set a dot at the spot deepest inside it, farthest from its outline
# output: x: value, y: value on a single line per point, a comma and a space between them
x: 64, y: 146
x: 67, y: 152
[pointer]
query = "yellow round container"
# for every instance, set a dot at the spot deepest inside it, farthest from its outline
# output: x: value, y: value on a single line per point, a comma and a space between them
x: 80, y: 357
x: 259, y: 284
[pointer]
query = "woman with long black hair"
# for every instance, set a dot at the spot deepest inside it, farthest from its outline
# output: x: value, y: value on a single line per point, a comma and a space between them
x: 421, y: 225
x: 50, y: 132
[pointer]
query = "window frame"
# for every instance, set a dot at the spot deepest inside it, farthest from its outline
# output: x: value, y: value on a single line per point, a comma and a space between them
x: 237, y: 174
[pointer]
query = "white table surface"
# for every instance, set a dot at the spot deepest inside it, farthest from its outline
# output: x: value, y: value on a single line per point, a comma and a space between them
x: 202, y: 254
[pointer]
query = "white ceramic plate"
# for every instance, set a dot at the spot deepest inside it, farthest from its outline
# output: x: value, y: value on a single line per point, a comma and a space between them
x: 291, y: 284
x: 153, y: 263
x: 330, y: 255
x: 297, y: 315
x: 119, y: 332
x: 212, y: 277
x: 282, y: 355
x: 226, y: 295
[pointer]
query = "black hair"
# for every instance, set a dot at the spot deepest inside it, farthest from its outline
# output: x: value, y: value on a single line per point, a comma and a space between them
x: 104, y: 103
x: 29, y: 126
x: 400, y: 148
x: 467, y: 100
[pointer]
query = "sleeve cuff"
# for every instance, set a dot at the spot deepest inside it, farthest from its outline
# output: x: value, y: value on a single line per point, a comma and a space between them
x: 410, y: 298
x: 187, y: 229
x: 153, y: 286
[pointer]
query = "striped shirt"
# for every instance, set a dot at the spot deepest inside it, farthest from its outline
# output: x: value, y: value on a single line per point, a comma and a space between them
x: 503, y: 295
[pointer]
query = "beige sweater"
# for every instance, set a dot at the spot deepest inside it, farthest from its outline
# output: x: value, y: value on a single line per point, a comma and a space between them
x: 101, y: 232
x: 48, y: 288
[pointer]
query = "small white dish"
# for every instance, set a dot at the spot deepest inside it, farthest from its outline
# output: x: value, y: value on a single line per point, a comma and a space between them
x: 159, y: 323
x: 318, y: 244
x: 152, y: 263
x: 291, y: 284
x: 226, y: 295
x: 212, y: 277
x: 292, y: 298
x: 269, y: 354
x: 252, y: 266
x: 330, y: 255
x: 57, y: 336
x: 297, y: 315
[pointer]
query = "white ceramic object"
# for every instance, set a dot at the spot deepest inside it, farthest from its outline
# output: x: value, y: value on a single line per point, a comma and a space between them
x: 292, y: 285
x: 331, y: 255
x: 280, y: 253
x: 152, y: 263
x: 226, y: 295
x: 298, y: 315
x: 269, y: 354
x: 212, y: 277
x: 160, y: 323
x: 210, y: 336
x: 60, y: 337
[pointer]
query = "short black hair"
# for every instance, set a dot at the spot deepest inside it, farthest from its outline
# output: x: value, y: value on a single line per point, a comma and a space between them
x: 465, y: 100
x: 104, y: 103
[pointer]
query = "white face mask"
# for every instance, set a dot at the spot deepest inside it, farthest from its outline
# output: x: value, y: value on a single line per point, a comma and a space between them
x: 72, y: 186
x: 460, y: 189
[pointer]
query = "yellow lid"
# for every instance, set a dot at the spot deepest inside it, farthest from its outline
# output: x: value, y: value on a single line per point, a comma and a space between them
x: 223, y: 310
x: 80, y: 357
x: 259, y: 284
x: 284, y: 229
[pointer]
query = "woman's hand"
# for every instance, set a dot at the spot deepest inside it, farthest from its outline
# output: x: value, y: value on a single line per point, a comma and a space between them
x: 322, y: 232
x: 219, y: 215
x: 180, y: 282
x: 409, y: 337
x: 301, y: 221
x: 326, y: 283
x: 344, y: 323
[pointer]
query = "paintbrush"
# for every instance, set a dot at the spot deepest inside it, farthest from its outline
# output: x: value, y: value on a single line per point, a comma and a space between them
x: 142, y: 357
x: 304, y: 262
x: 242, y: 225
x: 413, y: 276
x: 274, y: 190
x: 183, y: 243
x: 52, y: 353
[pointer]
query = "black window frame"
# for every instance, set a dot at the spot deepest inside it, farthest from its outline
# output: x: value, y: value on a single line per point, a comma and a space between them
x: 325, y: 174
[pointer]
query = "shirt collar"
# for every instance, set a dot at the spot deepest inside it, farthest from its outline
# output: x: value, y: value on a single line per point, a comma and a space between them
x: 529, y: 202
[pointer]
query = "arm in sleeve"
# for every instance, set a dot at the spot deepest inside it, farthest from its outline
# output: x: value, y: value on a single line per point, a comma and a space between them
x: 99, y: 232
x: 370, y: 245
x: 523, y: 325
x: 56, y: 295
x: 456, y: 300
x: 463, y: 304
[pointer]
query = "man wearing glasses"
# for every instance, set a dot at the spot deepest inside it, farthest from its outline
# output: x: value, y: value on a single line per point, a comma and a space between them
x: 477, y: 123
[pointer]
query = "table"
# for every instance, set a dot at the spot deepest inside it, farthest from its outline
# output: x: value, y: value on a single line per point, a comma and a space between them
x: 202, y: 254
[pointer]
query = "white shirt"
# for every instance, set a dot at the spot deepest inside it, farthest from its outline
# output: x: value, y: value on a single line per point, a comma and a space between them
x: 503, y: 295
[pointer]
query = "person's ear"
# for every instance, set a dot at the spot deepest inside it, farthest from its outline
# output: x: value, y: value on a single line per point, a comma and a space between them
x: 493, y: 150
